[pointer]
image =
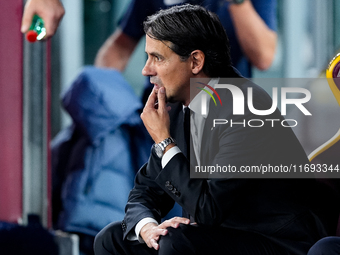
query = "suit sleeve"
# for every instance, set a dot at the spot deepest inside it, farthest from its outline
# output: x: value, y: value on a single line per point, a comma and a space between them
x: 207, y: 200
x: 146, y: 199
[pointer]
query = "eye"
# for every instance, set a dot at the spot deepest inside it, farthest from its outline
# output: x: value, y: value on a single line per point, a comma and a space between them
x: 158, y: 58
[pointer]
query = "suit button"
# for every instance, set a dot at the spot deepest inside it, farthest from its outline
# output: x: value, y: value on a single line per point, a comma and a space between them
x: 174, y: 190
x: 167, y: 183
x: 170, y: 187
x: 123, y: 225
x: 177, y: 193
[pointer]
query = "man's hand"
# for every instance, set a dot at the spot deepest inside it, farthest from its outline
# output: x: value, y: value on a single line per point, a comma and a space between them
x: 155, y: 115
x: 151, y: 232
x: 51, y: 11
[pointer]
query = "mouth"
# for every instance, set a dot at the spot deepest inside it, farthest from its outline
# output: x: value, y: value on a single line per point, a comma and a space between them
x: 156, y: 87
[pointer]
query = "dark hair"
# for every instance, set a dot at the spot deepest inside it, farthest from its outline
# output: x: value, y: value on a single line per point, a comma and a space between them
x: 192, y: 27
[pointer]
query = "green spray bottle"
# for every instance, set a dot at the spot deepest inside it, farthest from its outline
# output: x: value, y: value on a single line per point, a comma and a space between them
x: 37, y: 30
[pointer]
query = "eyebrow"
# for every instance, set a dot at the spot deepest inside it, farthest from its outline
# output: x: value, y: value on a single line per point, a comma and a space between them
x: 155, y: 54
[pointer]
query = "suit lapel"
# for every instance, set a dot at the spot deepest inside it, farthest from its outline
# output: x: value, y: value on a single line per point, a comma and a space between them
x: 176, y: 127
x: 208, y: 134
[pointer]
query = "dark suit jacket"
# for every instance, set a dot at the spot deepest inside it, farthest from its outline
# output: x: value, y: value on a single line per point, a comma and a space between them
x: 280, y: 209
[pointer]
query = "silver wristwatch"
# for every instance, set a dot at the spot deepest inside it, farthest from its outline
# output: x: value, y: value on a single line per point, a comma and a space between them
x: 160, y: 147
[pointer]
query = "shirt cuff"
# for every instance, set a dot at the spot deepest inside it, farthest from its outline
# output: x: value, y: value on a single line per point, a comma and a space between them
x: 140, y: 225
x: 169, y: 155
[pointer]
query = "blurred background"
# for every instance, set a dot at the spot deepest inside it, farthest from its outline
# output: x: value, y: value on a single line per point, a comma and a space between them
x: 308, y: 39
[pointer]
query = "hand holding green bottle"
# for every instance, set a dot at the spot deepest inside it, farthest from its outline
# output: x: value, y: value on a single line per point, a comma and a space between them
x: 37, y: 30
x: 51, y: 11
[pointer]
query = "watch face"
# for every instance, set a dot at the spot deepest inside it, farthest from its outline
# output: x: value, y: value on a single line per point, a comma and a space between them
x: 158, y: 150
x: 238, y: 1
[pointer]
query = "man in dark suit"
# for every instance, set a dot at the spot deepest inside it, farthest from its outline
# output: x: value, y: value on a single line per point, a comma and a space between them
x: 231, y: 214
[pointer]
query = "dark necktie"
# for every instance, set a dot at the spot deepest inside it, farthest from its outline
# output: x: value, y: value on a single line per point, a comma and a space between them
x: 187, y: 135
x: 190, y: 152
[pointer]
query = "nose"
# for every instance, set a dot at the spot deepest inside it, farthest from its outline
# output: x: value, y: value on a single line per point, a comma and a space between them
x: 148, y: 70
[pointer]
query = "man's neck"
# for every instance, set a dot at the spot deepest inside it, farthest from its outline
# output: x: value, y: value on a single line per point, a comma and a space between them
x: 193, y: 91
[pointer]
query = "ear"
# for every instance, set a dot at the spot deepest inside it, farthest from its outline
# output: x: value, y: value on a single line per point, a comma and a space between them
x: 197, y: 63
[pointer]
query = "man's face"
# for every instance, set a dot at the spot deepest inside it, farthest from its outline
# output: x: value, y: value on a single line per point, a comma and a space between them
x: 166, y: 69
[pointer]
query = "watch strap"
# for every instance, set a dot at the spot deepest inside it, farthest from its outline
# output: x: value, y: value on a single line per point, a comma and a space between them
x: 163, y: 144
x: 160, y: 147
